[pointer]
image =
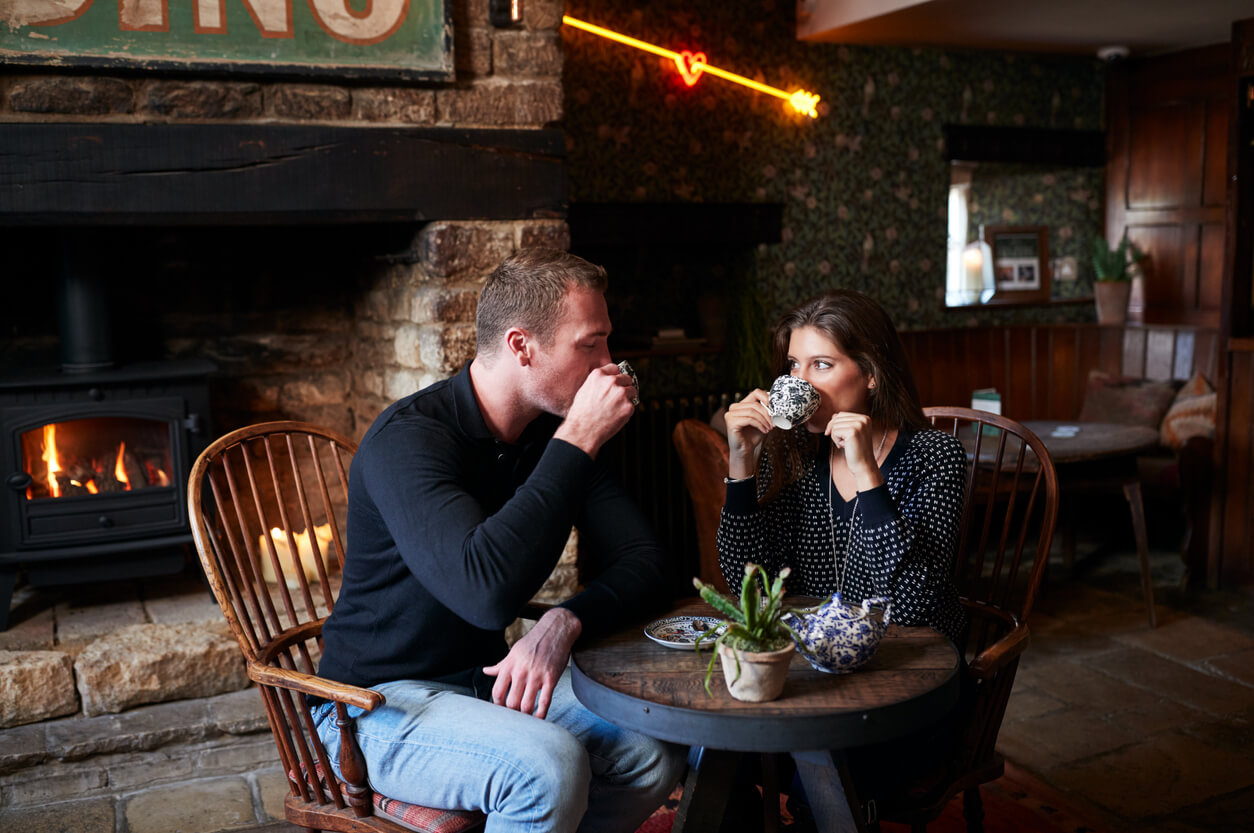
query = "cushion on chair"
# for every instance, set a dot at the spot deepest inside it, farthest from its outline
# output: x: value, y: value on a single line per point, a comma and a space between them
x: 1126, y: 400
x: 411, y: 816
x: 1192, y: 414
x: 426, y: 819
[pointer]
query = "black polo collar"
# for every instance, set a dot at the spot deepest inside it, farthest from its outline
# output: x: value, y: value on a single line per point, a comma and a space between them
x: 470, y: 417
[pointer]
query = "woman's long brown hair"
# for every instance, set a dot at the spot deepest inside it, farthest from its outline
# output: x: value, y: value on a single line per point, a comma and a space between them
x: 862, y: 330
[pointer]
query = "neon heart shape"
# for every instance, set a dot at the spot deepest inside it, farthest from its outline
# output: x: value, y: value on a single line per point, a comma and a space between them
x: 691, y: 65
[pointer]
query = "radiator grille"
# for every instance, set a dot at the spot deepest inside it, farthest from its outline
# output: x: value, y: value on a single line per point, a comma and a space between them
x: 643, y: 458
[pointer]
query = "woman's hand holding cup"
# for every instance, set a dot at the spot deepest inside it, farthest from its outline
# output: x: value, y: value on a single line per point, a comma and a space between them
x: 790, y: 402
x: 748, y: 422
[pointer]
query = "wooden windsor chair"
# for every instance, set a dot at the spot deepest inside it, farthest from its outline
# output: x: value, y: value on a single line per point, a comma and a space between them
x: 267, y: 505
x: 703, y: 453
x: 1007, y: 528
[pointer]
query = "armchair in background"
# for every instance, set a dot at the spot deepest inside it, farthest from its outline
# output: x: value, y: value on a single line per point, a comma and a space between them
x: 704, y: 455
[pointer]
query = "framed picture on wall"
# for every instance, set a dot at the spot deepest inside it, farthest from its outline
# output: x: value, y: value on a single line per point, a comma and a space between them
x: 1020, y: 263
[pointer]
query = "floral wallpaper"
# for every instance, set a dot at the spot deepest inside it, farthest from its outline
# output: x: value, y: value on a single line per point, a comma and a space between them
x: 864, y: 186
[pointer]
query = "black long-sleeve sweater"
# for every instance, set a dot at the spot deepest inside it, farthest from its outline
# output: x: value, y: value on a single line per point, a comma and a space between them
x: 451, y: 532
x: 903, y: 537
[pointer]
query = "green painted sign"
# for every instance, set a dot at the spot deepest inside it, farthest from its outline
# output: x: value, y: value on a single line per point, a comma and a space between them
x: 405, y: 39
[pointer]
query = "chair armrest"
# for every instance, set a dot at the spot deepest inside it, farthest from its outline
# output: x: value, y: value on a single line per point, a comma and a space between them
x: 362, y: 698
x: 995, y: 657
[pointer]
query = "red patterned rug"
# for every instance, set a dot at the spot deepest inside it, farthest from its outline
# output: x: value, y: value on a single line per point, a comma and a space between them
x: 1014, y: 803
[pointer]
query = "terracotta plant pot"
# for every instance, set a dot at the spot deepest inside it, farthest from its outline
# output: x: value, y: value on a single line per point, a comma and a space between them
x: 762, y: 675
x: 1112, y: 301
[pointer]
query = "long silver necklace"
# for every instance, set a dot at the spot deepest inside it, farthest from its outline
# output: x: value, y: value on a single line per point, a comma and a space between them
x: 837, y: 564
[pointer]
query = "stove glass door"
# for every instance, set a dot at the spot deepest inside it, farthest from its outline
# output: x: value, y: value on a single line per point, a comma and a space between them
x: 96, y: 456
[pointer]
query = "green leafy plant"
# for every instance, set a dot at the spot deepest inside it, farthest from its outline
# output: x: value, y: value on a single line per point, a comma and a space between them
x: 754, y: 622
x: 1115, y: 264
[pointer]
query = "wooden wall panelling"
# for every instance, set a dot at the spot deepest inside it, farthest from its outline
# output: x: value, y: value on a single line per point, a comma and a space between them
x: 1160, y: 173
x: 1168, y: 123
x: 1160, y: 354
x: 1214, y: 176
x: 1063, y: 369
x: 1110, y: 356
x: 1133, y: 358
x: 1018, y: 397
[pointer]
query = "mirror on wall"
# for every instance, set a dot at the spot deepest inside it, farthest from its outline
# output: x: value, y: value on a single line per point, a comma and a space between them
x: 1023, y: 206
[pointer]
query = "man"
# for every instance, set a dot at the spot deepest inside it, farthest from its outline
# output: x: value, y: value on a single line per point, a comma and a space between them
x: 461, y: 499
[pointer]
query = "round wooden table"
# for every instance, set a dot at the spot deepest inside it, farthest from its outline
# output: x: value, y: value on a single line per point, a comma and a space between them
x: 1093, y: 440
x: 910, y: 683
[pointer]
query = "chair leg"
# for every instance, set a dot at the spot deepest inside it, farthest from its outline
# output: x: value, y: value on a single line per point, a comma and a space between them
x: 1132, y: 491
x: 973, y: 810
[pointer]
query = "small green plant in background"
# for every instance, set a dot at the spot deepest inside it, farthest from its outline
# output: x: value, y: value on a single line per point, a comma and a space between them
x: 1115, y: 264
x: 754, y: 622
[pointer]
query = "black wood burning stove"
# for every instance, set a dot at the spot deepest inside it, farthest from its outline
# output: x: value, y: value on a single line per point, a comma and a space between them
x: 95, y: 466
x: 94, y: 456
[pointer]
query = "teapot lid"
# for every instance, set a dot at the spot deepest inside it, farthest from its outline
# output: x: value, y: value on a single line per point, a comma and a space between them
x: 838, y: 606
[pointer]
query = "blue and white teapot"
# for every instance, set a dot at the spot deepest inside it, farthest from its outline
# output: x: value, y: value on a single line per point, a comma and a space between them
x: 836, y: 637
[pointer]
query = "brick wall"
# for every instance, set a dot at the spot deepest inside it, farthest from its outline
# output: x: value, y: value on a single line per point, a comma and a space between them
x: 376, y: 328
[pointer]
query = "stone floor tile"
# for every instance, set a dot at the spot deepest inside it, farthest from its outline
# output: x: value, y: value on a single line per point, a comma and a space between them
x: 146, y: 727
x: 1030, y: 703
x: 1100, y: 610
x: 88, y: 815
x: 29, y: 629
x: 22, y: 746
x: 1059, y: 637
x: 1179, y: 682
x: 197, y: 606
x: 1234, y: 732
x: 1236, y: 666
x: 1082, y: 686
x: 1052, y: 740
x: 1155, y: 715
x: 272, y: 789
x: 82, y: 621
x: 1154, y: 778
x: 238, y: 712
x: 51, y: 783
x: 1190, y: 640
x: 1227, y: 814
x: 191, y: 807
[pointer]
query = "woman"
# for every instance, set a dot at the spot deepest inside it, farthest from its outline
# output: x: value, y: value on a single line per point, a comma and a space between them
x: 864, y: 498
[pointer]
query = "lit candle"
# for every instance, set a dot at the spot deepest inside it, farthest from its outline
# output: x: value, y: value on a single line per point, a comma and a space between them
x: 304, y: 552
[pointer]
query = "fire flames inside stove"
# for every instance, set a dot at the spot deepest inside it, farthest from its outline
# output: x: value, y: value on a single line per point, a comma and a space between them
x: 100, y: 455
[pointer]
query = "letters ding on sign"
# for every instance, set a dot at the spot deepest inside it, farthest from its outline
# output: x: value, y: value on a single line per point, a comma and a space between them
x: 401, y: 39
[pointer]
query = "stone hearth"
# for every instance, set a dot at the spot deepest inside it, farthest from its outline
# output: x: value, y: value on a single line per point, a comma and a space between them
x: 124, y: 708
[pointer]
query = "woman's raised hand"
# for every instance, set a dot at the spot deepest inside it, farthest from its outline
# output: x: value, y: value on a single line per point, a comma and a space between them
x: 748, y: 422
x: 854, y: 433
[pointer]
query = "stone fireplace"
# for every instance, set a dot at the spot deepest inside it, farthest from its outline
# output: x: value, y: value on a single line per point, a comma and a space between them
x: 321, y: 244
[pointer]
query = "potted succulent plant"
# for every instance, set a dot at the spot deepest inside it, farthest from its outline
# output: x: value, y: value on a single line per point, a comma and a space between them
x: 1113, y: 268
x: 753, y: 643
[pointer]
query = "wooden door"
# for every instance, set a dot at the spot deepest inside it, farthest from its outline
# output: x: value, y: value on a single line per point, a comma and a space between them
x: 1166, y: 179
x: 1232, y: 560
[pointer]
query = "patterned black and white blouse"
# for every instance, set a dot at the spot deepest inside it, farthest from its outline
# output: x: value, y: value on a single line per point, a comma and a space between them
x: 903, y: 540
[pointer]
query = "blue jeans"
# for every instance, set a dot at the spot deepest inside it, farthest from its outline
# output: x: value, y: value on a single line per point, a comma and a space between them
x: 440, y: 746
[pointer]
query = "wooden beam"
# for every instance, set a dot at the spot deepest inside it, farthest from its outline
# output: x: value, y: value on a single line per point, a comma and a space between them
x: 202, y: 174
x: 1029, y: 145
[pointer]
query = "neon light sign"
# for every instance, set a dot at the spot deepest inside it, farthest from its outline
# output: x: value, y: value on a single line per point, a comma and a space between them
x: 692, y: 65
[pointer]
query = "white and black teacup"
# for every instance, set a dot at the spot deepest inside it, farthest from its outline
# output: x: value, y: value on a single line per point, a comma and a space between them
x: 793, y: 401
x: 624, y: 367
